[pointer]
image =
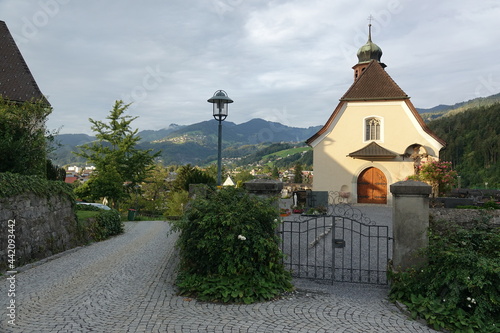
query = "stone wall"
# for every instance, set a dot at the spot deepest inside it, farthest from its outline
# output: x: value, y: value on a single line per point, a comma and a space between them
x: 465, y: 216
x: 44, y: 225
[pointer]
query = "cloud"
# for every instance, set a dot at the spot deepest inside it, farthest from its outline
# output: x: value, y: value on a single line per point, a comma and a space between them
x: 287, y: 61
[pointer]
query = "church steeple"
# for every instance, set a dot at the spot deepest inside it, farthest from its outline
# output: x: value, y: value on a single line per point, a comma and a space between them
x: 367, y: 53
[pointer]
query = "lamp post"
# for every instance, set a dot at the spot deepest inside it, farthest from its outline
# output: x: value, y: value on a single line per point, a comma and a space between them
x: 220, y: 100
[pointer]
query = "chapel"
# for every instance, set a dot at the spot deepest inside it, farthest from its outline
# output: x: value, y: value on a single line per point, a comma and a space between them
x: 373, y: 138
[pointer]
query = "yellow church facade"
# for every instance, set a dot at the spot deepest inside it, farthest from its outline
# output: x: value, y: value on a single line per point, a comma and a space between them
x: 373, y: 138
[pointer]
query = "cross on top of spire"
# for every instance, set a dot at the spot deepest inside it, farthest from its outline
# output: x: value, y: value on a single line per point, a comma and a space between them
x: 370, y: 18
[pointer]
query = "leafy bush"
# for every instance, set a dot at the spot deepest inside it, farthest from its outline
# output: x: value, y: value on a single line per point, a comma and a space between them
x: 438, y: 174
x: 459, y: 288
x: 229, y: 249
x: 106, y: 224
x: 491, y: 205
x: 23, y: 144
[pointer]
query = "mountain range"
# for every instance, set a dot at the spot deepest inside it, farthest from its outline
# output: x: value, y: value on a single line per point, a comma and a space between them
x: 197, y: 143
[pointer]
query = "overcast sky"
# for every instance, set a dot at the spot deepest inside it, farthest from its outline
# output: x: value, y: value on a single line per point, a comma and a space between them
x: 280, y: 60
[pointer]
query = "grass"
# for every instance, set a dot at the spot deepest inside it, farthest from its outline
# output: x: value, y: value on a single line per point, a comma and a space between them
x: 287, y: 152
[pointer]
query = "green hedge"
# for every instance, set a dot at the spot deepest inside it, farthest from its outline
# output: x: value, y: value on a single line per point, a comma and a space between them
x: 107, y: 223
x: 459, y: 288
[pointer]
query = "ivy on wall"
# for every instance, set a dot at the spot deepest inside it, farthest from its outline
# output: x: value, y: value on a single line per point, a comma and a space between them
x: 12, y: 184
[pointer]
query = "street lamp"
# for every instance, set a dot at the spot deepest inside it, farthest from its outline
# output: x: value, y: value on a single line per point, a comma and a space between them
x: 220, y: 100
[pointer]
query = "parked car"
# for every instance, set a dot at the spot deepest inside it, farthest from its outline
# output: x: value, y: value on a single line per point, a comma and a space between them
x: 98, y: 205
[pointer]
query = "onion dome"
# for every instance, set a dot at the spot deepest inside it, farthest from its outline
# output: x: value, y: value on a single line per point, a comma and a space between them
x: 370, y: 51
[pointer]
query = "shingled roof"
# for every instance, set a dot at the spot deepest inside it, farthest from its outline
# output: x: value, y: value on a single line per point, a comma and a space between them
x: 374, y: 84
x: 373, y: 151
x: 16, y: 81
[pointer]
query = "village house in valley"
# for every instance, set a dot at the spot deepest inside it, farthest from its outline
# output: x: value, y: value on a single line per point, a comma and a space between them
x: 374, y: 137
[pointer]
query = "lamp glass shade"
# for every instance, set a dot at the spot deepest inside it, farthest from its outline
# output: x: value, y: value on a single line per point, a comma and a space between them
x: 220, y: 109
x: 220, y: 100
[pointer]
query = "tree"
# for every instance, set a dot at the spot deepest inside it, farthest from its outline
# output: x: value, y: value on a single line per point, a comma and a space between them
x: 154, y: 192
x: 297, y: 178
x: 23, y: 140
x: 243, y: 176
x: 473, y: 144
x: 188, y: 174
x: 54, y: 172
x: 211, y: 170
x: 120, y: 165
x: 275, y: 173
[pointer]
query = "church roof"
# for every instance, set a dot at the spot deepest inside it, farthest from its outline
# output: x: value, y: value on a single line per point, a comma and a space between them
x: 16, y: 81
x: 373, y: 151
x: 374, y: 84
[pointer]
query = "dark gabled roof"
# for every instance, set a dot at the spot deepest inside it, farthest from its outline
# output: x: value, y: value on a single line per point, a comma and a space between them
x: 374, y: 84
x: 16, y: 81
x: 373, y: 151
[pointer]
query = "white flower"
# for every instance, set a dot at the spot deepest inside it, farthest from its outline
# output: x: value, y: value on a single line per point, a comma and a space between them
x: 275, y: 220
x: 241, y: 237
x: 468, y: 298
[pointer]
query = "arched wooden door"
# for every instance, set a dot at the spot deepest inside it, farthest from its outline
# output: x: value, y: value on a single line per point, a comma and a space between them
x: 372, y: 186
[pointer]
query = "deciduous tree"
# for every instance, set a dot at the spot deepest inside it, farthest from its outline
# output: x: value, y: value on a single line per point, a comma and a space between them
x: 120, y: 164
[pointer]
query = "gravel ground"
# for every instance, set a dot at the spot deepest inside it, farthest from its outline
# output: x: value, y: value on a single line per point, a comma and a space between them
x: 125, y: 284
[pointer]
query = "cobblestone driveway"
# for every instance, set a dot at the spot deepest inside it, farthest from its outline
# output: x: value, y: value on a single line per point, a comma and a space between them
x: 125, y: 285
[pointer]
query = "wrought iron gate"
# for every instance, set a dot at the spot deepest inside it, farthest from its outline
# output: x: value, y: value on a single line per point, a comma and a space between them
x: 341, y: 245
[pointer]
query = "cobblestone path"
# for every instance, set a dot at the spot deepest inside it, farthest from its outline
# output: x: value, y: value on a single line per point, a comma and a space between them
x: 125, y: 284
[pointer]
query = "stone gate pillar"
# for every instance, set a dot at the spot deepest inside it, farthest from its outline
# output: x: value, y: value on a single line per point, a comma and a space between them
x: 264, y: 187
x: 410, y: 214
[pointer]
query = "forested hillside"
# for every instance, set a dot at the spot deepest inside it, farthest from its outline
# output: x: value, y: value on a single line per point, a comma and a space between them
x: 473, y: 138
x: 448, y: 110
